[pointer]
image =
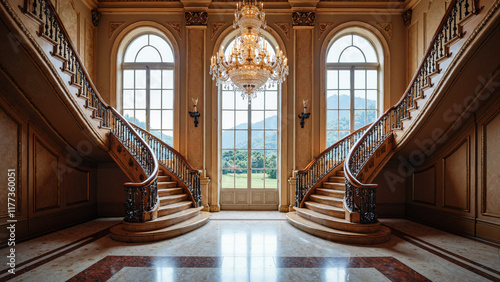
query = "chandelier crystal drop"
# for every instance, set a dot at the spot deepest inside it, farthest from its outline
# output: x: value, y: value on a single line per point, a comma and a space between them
x: 250, y: 66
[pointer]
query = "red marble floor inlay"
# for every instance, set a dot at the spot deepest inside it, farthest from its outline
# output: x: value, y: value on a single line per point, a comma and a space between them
x: 392, y: 268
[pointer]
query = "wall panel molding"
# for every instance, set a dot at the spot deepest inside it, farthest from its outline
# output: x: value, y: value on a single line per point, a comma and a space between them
x: 77, y: 187
x: 486, y: 157
x: 46, y: 184
x: 451, y: 164
x: 12, y: 155
x: 424, y: 174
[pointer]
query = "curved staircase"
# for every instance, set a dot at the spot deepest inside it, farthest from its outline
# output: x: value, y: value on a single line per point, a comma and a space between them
x: 324, y: 216
x: 176, y: 216
x: 164, y: 195
x: 342, y: 208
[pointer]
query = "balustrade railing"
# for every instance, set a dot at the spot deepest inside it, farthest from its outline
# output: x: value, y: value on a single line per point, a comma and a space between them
x: 360, y: 197
x: 141, y: 197
x: 322, y: 164
x: 175, y: 163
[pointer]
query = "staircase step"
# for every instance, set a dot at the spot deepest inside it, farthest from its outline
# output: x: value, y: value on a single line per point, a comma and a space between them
x: 336, y: 179
x: 339, y: 194
x: 333, y: 185
x: 331, y: 201
x: 167, y: 200
x: 326, y: 209
x: 119, y: 234
x: 169, y: 184
x: 169, y: 191
x: 163, y: 178
x: 161, y: 173
x: 337, y: 223
x: 163, y: 221
x: 381, y: 236
x: 339, y: 173
x: 173, y: 208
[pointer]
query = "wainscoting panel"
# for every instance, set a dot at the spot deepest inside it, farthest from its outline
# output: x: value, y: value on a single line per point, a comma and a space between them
x: 77, y: 187
x: 46, y: 186
x: 10, y: 150
x: 456, y: 178
x: 424, y: 186
x: 490, y: 164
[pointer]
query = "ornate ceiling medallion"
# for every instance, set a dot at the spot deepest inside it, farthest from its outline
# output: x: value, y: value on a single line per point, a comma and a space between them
x: 249, y: 67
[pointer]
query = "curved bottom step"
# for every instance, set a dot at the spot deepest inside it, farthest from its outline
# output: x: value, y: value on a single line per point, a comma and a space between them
x: 381, y: 236
x: 119, y: 234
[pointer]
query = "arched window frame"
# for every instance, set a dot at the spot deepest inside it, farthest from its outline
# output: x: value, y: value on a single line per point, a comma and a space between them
x: 120, y: 44
x: 379, y: 43
x: 276, y: 39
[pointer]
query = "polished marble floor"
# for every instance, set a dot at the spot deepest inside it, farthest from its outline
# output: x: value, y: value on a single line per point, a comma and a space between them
x: 252, y: 246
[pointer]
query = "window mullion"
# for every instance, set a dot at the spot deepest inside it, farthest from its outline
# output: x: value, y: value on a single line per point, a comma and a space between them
x: 249, y: 144
x: 148, y: 108
x: 352, y: 101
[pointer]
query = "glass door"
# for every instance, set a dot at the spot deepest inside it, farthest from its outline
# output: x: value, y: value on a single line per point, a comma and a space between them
x: 249, y: 151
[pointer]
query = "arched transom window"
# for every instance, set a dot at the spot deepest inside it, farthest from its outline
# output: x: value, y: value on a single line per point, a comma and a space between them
x: 148, y: 85
x: 352, y: 88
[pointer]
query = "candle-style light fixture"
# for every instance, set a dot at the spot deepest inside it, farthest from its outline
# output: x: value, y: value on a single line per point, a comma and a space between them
x: 304, y: 115
x: 249, y: 67
x: 195, y: 114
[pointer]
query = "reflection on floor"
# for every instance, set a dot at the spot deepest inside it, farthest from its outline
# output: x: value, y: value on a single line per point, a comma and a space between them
x: 252, y: 246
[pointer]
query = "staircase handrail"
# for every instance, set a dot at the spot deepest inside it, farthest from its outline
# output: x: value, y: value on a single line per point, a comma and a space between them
x: 179, y: 165
x: 323, y: 163
x: 376, y: 134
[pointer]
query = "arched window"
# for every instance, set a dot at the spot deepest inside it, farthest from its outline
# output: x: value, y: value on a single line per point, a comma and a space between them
x: 148, y: 85
x: 352, y: 85
x: 249, y: 148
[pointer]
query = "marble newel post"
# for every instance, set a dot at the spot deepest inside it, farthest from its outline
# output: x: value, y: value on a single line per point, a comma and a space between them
x: 196, y: 28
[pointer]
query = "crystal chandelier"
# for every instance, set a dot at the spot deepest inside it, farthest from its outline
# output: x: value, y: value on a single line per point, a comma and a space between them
x: 249, y: 66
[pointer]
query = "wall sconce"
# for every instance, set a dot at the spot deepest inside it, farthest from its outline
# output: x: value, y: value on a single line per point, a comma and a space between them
x: 304, y: 115
x: 195, y: 114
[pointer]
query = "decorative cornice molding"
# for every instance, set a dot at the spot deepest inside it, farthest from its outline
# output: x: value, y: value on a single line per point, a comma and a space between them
x: 387, y: 27
x: 177, y: 26
x: 113, y: 26
x: 96, y: 17
x: 407, y: 17
x: 196, y: 18
x: 303, y: 18
x: 285, y: 27
x: 216, y: 27
x: 323, y: 27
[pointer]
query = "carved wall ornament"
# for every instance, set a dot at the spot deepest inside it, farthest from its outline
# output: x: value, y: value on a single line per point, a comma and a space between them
x: 196, y: 18
x: 285, y: 27
x: 96, y: 17
x: 303, y: 18
x: 177, y: 26
x: 113, y: 26
x: 216, y: 27
x: 407, y: 17
x: 387, y: 27
x: 323, y: 27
